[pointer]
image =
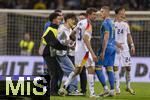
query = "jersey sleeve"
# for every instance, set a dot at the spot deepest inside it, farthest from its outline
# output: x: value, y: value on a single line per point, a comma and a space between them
x: 127, y: 28
x: 106, y: 28
x: 80, y: 25
x: 88, y: 29
x: 76, y: 29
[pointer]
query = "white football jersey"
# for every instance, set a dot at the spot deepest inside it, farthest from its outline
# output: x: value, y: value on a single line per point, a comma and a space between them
x: 82, y: 55
x: 80, y: 29
x: 121, y: 31
x: 63, y: 37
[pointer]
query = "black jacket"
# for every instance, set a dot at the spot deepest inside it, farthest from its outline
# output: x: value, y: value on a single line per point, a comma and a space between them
x: 52, y: 42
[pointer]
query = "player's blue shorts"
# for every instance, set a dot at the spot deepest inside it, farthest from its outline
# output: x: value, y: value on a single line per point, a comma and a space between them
x: 109, y: 57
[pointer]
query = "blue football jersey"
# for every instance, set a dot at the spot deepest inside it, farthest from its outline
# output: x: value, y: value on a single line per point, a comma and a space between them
x: 107, y: 26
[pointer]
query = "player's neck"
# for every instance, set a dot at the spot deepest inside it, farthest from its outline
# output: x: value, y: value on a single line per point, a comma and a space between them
x: 88, y: 18
x: 118, y: 18
x: 107, y: 17
x: 67, y: 25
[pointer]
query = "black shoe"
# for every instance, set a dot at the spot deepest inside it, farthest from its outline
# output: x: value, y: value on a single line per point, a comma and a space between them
x: 131, y: 91
x: 84, y: 93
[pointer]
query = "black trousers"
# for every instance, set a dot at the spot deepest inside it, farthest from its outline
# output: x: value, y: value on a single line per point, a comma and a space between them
x: 83, y: 77
x: 83, y: 80
x: 55, y: 72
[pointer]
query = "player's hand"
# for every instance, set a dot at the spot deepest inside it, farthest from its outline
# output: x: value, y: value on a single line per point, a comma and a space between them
x: 72, y: 47
x: 95, y: 58
x: 133, y: 50
x: 102, y: 56
x: 119, y: 45
x: 67, y: 42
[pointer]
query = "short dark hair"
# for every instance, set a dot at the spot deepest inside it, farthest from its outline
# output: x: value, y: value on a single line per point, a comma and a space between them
x: 53, y: 16
x: 68, y: 16
x: 58, y: 11
x: 106, y: 8
x: 82, y: 14
x: 118, y: 9
x: 90, y: 10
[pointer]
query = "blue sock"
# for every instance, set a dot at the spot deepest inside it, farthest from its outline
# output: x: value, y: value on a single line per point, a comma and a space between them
x: 111, y: 78
x: 101, y: 76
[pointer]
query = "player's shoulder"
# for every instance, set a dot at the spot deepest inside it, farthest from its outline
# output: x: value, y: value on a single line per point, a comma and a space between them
x: 47, y: 23
x: 82, y: 22
x: 125, y: 23
x: 125, y: 20
x: 104, y: 22
x: 62, y: 28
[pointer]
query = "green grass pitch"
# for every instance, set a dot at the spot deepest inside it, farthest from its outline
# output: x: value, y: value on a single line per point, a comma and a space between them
x: 142, y: 93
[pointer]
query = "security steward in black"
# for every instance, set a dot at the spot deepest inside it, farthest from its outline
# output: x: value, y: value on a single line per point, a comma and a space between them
x: 50, y: 44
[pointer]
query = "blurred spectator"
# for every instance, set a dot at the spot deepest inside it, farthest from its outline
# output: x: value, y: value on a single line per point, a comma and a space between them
x: 40, y: 5
x: 51, y: 4
x: 19, y: 4
x: 82, y: 4
x: 143, y: 4
x: 60, y: 4
x: 2, y: 4
x: 26, y: 45
x: 10, y: 4
x: 132, y: 4
x: 119, y: 2
x: 109, y: 3
x: 74, y: 4
x: 88, y: 3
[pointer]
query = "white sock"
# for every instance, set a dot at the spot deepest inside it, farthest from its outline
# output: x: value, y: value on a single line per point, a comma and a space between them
x: 128, y: 79
x: 105, y: 87
x: 69, y: 79
x: 117, y: 79
x: 91, y: 83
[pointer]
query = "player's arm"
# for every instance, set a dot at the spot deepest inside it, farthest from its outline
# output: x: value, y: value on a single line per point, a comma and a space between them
x: 86, y: 39
x: 104, y: 45
x: 105, y: 41
x: 130, y: 40
x: 119, y: 45
x: 73, y: 34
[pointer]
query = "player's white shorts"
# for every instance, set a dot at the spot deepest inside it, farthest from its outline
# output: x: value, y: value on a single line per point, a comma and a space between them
x: 122, y: 59
x: 83, y: 59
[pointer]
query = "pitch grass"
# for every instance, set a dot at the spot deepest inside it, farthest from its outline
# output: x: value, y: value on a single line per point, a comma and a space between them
x: 142, y: 93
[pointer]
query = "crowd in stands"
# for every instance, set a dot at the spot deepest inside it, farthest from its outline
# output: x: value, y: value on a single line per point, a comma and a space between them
x: 74, y: 4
